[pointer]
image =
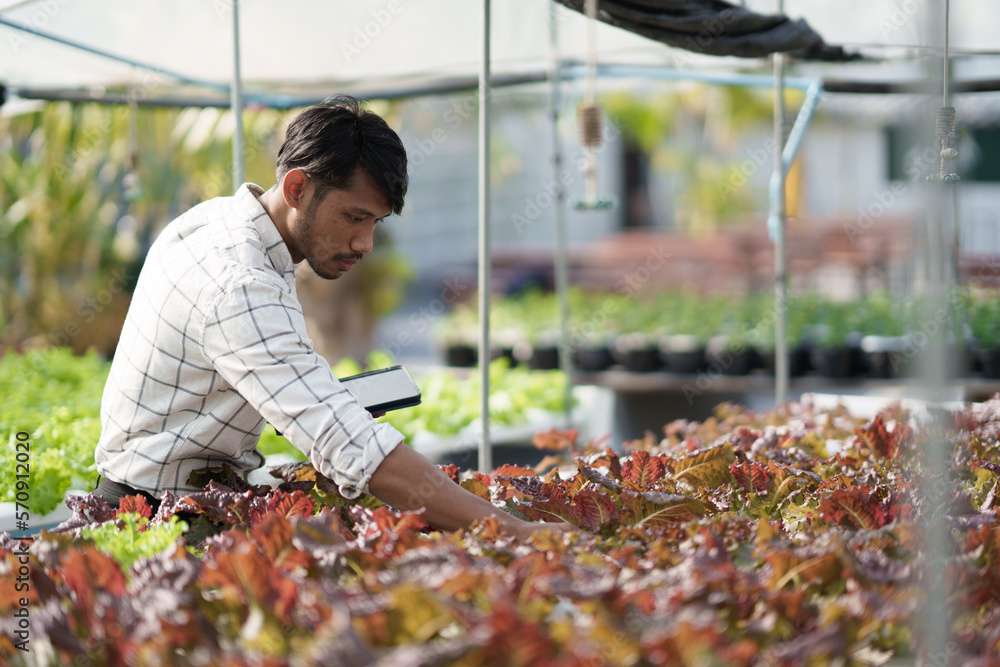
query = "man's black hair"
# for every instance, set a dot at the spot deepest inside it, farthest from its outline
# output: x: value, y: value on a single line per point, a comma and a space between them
x: 331, y: 141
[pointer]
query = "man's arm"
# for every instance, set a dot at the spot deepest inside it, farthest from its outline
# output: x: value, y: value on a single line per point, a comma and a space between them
x: 289, y: 385
x: 406, y: 480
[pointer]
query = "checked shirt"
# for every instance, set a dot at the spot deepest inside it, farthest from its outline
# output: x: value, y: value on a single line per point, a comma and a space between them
x: 214, y: 345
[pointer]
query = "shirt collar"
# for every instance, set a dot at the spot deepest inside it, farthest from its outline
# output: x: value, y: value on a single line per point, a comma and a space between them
x: 248, y: 203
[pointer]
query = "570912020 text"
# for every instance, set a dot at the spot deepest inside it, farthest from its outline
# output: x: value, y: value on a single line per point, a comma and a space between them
x: 22, y: 583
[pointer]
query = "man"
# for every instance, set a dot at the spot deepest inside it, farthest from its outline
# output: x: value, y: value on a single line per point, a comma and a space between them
x: 214, y: 344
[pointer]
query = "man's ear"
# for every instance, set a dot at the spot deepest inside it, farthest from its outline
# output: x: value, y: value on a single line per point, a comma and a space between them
x: 293, y: 186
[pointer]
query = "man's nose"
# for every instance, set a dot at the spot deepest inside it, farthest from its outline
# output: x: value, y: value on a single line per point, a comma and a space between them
x: 364, y: 241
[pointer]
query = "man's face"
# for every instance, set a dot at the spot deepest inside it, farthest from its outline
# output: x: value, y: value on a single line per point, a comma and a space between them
x: 335, y: 232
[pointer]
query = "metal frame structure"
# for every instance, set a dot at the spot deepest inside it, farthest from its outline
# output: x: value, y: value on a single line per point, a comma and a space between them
x: 557, y: 73
x: 784, y: 156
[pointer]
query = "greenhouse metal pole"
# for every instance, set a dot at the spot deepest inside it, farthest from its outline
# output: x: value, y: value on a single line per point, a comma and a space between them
x: 236, y: 92
x: 776, y: 225
x: 561, y: 261
x: 937, y: 547
x: 485, y: 451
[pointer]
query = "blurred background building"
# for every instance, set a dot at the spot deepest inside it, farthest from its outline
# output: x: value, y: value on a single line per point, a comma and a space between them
x: 687, y: 163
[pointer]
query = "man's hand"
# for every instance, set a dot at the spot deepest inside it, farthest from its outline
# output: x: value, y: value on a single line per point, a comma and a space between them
x: 406, y: 480
x: 523, y: 530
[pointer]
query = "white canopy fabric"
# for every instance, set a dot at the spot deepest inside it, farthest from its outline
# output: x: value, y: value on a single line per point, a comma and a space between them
x: 310, y: 46
x: 308, y: 42
x: 292, y: 43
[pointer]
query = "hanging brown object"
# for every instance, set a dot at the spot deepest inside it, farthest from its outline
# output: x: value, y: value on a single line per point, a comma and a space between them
x: 588, y: 121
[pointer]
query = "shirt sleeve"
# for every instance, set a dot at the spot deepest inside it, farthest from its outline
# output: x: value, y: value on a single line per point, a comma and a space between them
x: 255, y: 337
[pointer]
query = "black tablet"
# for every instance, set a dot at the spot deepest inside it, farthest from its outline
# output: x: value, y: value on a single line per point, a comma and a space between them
x: 383, y: 390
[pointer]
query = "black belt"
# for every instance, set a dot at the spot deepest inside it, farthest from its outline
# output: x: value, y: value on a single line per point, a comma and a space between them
x: 113, y: 492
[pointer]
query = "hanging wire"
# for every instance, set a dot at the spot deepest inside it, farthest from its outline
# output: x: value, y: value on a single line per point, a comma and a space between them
x: 944, y: 79
x: 590, y: 9
x: 589, y: 119
x: 944, y: 120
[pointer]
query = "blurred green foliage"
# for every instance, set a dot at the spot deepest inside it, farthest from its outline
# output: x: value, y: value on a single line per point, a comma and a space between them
x: 85, y: 189
x: 55, y: 397
x: 695, y: 133
x: 984, y: 318
x: 747, y: 319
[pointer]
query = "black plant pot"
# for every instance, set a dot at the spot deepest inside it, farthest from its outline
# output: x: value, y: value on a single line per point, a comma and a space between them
x: 989, y: 362
x: 733, y: 363
x: 544, y: 358
x: 537, y: 356
x: 975, y: 360
x: 888, y: 364
x: 684, y: 362
x: 682, y: 354
x: 799, y: 362
x: 460, y: 355
x: 637, y: 353
x: 596, y: 358
x: 641, y: 360
x: 724, y: 357
x: 887, y: 356
x: 837, y: 362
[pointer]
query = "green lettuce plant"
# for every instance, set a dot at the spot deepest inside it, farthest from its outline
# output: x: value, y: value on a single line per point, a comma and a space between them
x: 55, y: 397
x: 134, y: 539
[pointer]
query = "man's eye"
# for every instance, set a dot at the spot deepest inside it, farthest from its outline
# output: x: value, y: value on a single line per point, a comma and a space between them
x: 356, y: 219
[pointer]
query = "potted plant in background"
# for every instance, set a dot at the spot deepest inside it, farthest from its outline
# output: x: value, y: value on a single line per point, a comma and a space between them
x: 456, y: 335
x: 689, y: 325
x: 593, y: 352
x: 510, y: 329
x: 984, y: 323
x: 800, y: 318
x: 638, y: 352
x: 682, y: 352
x: 641, y: 324
x: 837, y: 351
x: 505, y: 340
x: 539, y: 351
x: 732, y: 349
x: 883, y: 344
x: 732, y: 353
x: 592, y: 330
x: 936, y: 333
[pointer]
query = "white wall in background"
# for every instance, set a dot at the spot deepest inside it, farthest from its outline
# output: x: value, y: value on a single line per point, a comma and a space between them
x: 845, y: 169
x: 438, y: 229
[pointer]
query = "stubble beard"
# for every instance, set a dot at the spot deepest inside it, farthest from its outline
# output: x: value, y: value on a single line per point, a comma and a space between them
x: 306, y: 243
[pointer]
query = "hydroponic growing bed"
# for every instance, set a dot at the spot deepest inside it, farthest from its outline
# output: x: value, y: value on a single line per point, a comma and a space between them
x: 788, y: 537
x: 53, y: 397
